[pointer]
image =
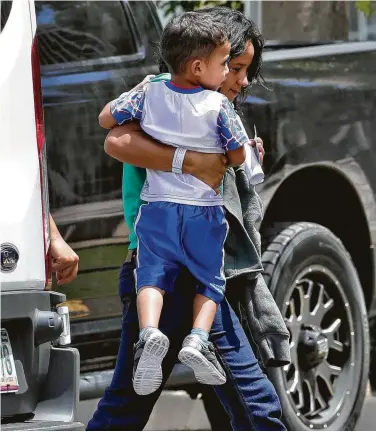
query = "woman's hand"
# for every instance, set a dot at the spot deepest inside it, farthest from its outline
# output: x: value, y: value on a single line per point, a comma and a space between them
x: 210, y: 167
x: 147, y: 79
x: 207, y: 167
x: 260, y: 146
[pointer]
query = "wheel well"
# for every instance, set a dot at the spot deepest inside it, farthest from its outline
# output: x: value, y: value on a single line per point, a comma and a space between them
x: 325, y: 196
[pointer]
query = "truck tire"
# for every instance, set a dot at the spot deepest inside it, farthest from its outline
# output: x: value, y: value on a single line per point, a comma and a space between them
x: 316, y: 286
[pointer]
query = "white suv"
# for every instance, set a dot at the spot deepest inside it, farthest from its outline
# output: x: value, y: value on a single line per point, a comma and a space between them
x: 39, y: 377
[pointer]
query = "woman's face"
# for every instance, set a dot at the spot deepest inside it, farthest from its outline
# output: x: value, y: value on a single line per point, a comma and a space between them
x: 237, y: 76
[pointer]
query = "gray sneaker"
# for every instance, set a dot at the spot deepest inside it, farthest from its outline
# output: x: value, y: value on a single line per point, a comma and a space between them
x: 149, y: 354
x: 202, y: 359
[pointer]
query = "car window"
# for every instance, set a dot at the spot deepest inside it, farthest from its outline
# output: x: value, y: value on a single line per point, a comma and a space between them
x: 71, y: 31
x: 5, y: 8
x: 147, y: 22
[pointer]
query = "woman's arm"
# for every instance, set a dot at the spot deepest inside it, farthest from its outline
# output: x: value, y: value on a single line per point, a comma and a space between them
x: 129, y: 144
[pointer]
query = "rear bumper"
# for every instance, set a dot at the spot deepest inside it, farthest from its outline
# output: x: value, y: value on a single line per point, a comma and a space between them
x: 48, y: 375
x: 60, y: 395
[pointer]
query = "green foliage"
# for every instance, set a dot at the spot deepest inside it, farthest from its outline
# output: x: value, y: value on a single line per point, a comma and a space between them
x: 172, y: 7
x: 367, y: 7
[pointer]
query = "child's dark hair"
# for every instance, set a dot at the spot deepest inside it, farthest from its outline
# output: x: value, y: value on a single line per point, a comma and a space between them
x: 189, y: 35
x: 240, y: 30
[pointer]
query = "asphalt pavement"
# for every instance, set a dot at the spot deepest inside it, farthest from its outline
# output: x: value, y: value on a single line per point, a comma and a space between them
x: 175, y: 410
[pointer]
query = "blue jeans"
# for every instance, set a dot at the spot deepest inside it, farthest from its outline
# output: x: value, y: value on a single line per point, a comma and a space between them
x: 248, y: 397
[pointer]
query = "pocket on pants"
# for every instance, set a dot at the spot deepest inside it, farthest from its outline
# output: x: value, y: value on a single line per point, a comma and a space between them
x: 129, y: 314
x: 126, y: 300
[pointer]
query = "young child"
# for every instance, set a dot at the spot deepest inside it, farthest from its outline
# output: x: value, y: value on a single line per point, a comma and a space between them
x: 183, y: 224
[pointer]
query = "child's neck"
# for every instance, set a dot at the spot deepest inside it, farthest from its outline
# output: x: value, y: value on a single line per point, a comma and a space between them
x: 183, y: 81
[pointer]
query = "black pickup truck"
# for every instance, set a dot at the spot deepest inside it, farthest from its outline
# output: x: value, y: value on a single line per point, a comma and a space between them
x: 319, y: 229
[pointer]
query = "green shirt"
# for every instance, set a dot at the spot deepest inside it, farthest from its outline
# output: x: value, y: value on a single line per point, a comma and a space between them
x: 133, y: 181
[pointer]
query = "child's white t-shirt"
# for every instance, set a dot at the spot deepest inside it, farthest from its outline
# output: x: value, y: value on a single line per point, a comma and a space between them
x: 192, y: 118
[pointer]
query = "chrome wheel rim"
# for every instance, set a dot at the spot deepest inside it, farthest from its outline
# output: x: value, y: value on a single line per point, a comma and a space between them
x: 319, y: 377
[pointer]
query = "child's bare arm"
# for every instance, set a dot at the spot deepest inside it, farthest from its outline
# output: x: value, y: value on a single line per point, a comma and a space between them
x: 105, y: 119
x: 232, y: 134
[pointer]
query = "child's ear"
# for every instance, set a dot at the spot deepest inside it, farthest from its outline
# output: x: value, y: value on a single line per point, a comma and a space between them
x: 196, y: 67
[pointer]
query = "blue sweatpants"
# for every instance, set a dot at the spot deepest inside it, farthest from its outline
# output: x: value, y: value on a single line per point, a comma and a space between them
x: 173, y: 236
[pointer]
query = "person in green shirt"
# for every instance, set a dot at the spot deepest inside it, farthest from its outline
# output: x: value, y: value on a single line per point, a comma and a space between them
x: 248, y: 397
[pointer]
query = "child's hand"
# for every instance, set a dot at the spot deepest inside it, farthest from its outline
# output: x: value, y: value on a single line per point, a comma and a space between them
x: 260, y: 146
x: 143, y: 82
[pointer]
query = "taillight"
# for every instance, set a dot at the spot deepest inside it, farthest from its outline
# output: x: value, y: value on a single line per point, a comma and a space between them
x: 41, y: 143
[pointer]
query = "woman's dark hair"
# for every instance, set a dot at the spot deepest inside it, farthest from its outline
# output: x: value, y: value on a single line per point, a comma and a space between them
x: 240, y: 31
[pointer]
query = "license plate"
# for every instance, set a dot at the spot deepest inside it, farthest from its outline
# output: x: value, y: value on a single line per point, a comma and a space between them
x: 9, y: 381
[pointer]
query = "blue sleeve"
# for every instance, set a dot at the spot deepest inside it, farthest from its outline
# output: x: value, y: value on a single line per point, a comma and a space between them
x: 230, y: 128
x: 128, y: 106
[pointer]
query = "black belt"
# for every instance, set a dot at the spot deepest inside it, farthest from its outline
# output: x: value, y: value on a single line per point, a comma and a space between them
x: 131, y: 255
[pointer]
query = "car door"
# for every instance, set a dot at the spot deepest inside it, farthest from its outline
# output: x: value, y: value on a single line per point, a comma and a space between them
x: 90, y: 52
